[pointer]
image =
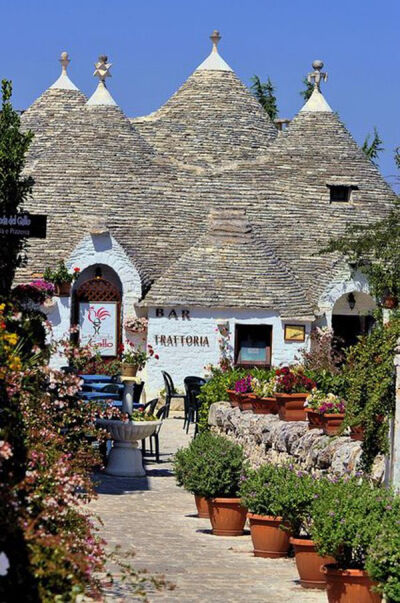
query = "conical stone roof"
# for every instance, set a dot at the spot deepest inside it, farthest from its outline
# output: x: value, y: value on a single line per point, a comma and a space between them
x: 230, y: 267
x: 289, y: 197
x: 211, y: 119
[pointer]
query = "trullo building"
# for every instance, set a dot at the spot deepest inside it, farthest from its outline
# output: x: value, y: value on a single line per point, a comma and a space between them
x: 201, y: 216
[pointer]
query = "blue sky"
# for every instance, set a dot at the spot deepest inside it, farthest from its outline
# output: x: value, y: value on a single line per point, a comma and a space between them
x: 154, y: 45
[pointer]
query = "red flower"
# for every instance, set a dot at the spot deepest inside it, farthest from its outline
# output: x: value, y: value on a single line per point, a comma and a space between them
x: 121, y: 347
x: 157, y: 357
x: 76, y: 269
x: 3, y: 325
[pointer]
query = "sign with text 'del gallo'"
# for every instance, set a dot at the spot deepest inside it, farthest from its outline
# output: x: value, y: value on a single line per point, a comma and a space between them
x: 23, y: 225
x: 98, y: 326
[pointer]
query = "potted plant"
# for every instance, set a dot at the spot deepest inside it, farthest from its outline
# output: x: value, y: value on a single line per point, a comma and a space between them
x: 347, y: 518
x: 134, y: 360
x: 263, y: 400
x: 189, y: 466
x: 325, y: 411
x: 218, y: 476
x: 292, y: 389
x: 263, y: 491
x: 61, y: 278
x: 383, y: 560
x: 243, y: 388
x: 304, y: 488
x: 133, y: 324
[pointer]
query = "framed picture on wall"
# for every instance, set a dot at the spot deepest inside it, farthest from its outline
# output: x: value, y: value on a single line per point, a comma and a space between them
x: 295, y: 333
x: 98, y: 322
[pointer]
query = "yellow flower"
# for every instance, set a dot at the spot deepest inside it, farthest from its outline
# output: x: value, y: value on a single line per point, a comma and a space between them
x: 2, y: 306
x: 11, y: 338
x: 15, y: 363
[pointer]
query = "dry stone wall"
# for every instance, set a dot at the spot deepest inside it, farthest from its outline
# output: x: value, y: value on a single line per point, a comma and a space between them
x: 267, y: 439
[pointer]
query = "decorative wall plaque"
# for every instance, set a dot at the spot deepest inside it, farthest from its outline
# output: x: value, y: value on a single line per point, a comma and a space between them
x: 295, y: 333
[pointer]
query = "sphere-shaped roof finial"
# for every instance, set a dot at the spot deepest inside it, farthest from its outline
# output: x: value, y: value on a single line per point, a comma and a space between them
x: 215, y: 38
x: 317, y: 75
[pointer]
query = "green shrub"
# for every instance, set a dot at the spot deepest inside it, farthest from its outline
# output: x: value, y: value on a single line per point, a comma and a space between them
x: 263, y: 490
x: 370, y: 383
x: 347, y: 516
x: 210, y: 466
x: 383, y: 561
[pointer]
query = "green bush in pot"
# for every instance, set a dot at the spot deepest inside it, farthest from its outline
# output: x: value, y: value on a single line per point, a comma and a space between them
x: 347, y: 518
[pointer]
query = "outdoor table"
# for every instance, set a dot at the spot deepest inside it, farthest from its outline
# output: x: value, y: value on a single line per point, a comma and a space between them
x: 97, y: 378
x: 98, y: 386
x: 99, y: 396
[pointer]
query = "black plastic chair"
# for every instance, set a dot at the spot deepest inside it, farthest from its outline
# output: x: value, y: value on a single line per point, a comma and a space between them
x: 193, y: 386
x: 170, y: 392
x: 154, y: 438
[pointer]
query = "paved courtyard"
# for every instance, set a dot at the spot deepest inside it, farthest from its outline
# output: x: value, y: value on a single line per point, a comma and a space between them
x: 158, y: 520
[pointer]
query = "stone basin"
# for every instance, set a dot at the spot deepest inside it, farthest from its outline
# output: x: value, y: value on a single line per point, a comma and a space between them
x: 125, y: 460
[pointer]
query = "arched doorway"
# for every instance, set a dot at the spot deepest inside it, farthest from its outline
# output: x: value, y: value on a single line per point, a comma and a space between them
x: 352, y: 316
x: 97, y: 309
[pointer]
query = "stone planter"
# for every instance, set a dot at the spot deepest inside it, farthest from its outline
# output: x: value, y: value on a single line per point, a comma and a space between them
x: 128, y: 370
x: 233, y: 397
x: 202, y: 506
x: 125, y: 459
x: 291, y: 406
x: 264, y: 406
x: 63, y: 289
x: 48, y: 305
x: 314, y: 419
x: 349, y: 586
x: 332, y: 423
x: 227, y: 516
x: 269, y: 539
x: 245, y: 402
x: 309, y: 563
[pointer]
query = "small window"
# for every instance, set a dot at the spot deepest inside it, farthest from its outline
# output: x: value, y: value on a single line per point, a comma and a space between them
x: 340, y: 193
x: 253, y: 345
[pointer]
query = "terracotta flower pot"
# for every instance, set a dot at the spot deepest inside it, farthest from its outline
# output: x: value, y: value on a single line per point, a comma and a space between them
x: 63, y: 289
x: 227, y: 516
x: 309, y: 563
x: 349, y: 586
x: 269, y: 540
x: 357, y: 433
x: 332, y: 423
x: 233, y: 397
x: 202, y: 506
x: 390, y: 302
x: 245, y: 402
x: 265, y: 406
x: 314, y: 419
x: 291, y: 406
x: 128, y: 370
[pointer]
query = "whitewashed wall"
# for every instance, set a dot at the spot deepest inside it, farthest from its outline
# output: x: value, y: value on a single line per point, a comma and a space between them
x: 180, y: 356
x: 97, y: 249
x: 334, y: 298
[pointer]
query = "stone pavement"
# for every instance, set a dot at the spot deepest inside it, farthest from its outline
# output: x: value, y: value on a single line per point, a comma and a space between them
x: 158, y: 520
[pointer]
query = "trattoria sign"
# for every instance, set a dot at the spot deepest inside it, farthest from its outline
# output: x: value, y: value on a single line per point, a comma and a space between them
x: 182, y: 340
x: 98, y: 326
x: 23, y: 225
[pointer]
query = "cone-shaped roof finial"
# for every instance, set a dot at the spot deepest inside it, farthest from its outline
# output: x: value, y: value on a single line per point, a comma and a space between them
x: 63, y: 81
x: 316, y: 103
x: 214, y: 62
x: 101, y: 95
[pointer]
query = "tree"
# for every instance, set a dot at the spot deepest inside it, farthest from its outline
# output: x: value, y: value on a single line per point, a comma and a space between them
x: 265, y: 94
x: 307, y: 92
x: 372, y: 149
x: 14, y: 187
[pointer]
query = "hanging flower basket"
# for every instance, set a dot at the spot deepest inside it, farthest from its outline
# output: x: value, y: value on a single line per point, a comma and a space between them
x: 133, y: 324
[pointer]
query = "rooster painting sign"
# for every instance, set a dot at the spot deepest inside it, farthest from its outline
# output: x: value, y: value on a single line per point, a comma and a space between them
x: 98, y: 326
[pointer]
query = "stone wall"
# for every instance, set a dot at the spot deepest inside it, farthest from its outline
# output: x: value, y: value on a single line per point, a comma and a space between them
x: 266, y: 438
